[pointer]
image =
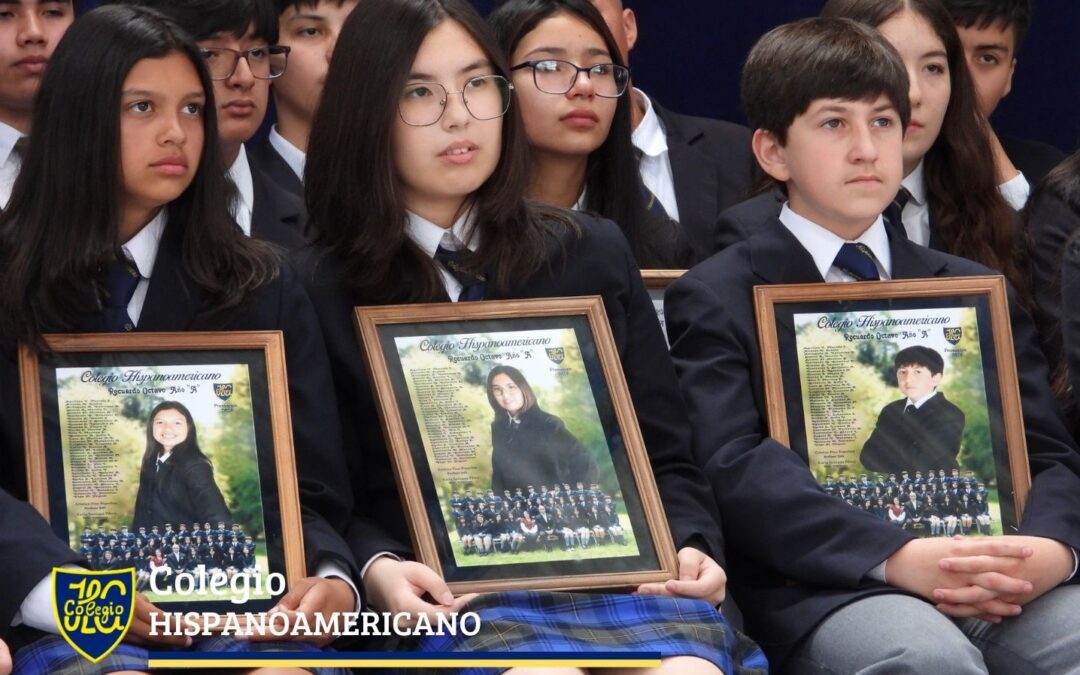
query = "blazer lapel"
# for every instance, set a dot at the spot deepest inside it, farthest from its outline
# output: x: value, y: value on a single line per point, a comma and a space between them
x: 172, y: 300
x: 777, y: 257
x: 694, y: 177
x: 911, y: 261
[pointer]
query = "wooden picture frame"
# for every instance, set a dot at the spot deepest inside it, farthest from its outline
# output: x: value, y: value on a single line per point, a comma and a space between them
x: 832, y: 356
x: 430, y: 367
x: 89, y: 450
x: 656, y: 282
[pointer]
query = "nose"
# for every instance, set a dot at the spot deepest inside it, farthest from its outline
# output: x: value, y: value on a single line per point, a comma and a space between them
x: 242, y: 77
x: 455, y: 114
x: 583, y: 85
x: 914, y: 90
x: 30, y: 29
x: 863, y: 148
x: 330, y: 47
x: 172, y: 130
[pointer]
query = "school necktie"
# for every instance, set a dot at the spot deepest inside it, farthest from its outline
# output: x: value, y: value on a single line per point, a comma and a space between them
x: 858, y: 261
x: 653, y: 206
x: 910, y: 409
x: 120, y: 282
x: 160, y: 463
x: 448, y: 254
x: 894, y: 211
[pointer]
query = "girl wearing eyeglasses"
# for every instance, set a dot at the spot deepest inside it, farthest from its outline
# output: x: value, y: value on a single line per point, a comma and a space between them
x: 118, y: 222
x: 572, y: 87
x: 393, y: 183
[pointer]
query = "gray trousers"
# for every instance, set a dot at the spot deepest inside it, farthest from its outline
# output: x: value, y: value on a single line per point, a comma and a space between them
x: 896, y: 633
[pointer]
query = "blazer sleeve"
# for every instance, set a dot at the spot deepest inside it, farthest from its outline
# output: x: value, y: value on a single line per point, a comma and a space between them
x: 1070, y: 316
x: 754, y: 478
x: 204, y: 492
x: 322, y: 477
x: 28, y: 551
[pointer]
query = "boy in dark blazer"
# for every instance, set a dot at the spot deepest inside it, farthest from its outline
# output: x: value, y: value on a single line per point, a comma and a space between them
x: 696, y: 166
x: 921, y: 427
x: 992, y: 32
x: 829, y: 101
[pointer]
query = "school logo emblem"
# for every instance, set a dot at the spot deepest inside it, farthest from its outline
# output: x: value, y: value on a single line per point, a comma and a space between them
x: 223, y: 390
x: 556, y: 354
x: 953, y: 334
x: 93, y: 610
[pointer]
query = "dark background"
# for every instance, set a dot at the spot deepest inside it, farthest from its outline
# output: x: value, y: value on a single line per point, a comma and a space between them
x: 690, y: 52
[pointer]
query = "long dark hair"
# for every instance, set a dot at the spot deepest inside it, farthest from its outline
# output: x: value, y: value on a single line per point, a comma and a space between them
x: 190, y: 446
x: 60, y: 228
x: 613, y: 186
x: 355, y: 205
x: 970, y: 215
x: 527, y: 395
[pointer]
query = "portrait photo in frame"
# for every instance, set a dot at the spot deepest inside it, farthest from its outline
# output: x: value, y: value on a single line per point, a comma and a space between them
x: 902, y: 396
x: 170, y: 452
x: 656, y: 282
x: 515, y: 445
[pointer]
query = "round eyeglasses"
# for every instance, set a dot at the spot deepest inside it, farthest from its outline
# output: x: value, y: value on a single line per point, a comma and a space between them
x: 554, y: 76
x: 265, y: 63
x: 423, y: 103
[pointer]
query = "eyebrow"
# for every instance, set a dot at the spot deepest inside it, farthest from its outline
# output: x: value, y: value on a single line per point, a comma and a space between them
x: 559, y: 51
x: 475, y: 65
x: 938, y: 54
x: 150, y: 94
x: 307, y: 17
x: 992, y: 46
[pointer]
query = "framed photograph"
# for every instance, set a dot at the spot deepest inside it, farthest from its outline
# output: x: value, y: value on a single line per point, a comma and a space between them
x: 515, y: 444
x: 170, y: 453
x: 656, y: 282
x: 903, y: 397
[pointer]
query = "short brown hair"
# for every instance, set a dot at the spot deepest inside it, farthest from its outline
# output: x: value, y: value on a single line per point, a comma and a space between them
x: 798, y: 63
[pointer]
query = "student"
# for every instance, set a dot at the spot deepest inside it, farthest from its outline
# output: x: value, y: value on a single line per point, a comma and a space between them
x: 1070, y: 317
x: 951, y: 201
x: 572, y: 84
x: 922, y: 426
x: 157, y: 207
x: 238, y: 40
x: 992, y: 32
x: 28, y: 35
x: 390, y: 180
x: 696, y: 167
x: 812, y: 585
x: 309, y: 28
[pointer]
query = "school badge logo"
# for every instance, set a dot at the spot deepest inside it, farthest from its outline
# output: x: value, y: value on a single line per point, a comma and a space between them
x: 93, y: 610
x: 556, y: 354
x: 953, y: 334
x: 223, y: 390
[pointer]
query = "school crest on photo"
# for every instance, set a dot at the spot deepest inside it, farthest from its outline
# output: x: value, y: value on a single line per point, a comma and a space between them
x: 953, y: 334
x: 223, y: 390
x: 556, y: 354
x: 93, y: 610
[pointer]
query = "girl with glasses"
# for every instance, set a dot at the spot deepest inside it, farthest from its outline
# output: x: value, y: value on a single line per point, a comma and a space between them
x: 387, y: 195
x: 148, y: 244
x: 571, y: 84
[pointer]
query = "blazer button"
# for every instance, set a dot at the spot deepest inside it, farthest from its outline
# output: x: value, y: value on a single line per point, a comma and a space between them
x: 129, y: 326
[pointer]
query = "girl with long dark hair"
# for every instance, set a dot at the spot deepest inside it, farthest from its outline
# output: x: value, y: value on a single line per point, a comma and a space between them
x: 418, y: 153
x: 572, y: 87
x: 119, y: 221
x: 954, y: 203
x: 176, y: 479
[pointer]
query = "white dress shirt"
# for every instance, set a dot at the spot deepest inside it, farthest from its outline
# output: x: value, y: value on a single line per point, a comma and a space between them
x: 918, y: 404
x: 293, y: 156
x: 655, y: 164
x: 823, y: 245
x: 142, y: 250
x: 9, y: 161
x: 427, y: 235
x: 240, y: 175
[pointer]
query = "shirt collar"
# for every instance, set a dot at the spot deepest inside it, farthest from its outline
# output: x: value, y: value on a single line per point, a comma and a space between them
x: 293, y: 156
x: 918, y: 404
x: 8, y: 136
x: 649, y: 137
x: 142, y: 249
x: 915, y: 182
x: 427, y: 235
x: 240, y: 174
x: 823, y: 245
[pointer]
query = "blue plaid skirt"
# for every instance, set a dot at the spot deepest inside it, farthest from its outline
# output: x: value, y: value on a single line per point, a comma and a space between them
x: 527, y: 621
x: 52, y: 656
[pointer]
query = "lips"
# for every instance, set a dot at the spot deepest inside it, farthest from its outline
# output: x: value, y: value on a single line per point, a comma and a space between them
x: 459, y: 152
x: 239, y: 107
x: 173, y: 165
x: 32, y: 64
x: 580, y: 119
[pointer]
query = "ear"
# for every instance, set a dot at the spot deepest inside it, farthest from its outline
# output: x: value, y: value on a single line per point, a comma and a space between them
x: 936, y: 379
x: 1008, y: 83
x: 770, y: 155
x: 629, y: 22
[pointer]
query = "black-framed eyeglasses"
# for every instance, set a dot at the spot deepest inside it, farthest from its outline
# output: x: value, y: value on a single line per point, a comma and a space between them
x: 485, y: 97
x: 265, y: 62
x: 555, y: 76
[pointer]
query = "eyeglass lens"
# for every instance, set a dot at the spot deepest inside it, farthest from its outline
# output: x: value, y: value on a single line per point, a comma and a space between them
x: 486, y: 97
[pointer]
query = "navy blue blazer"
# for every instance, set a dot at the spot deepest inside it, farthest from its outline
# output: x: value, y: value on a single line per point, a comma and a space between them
x: 1070, y: 315
x: 794, y: 553
x: 1033, y: 158
x: 174, y: 303
x: 262, y: 154
x: 713, y: 167
x: 278, y: 215
x: 598, y: 263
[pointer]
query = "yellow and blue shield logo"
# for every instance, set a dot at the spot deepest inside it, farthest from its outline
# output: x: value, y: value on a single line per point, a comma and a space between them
x: 556, y: 354
x: 953, y: 334
x: 93, y: 609
x: 223, y: 390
